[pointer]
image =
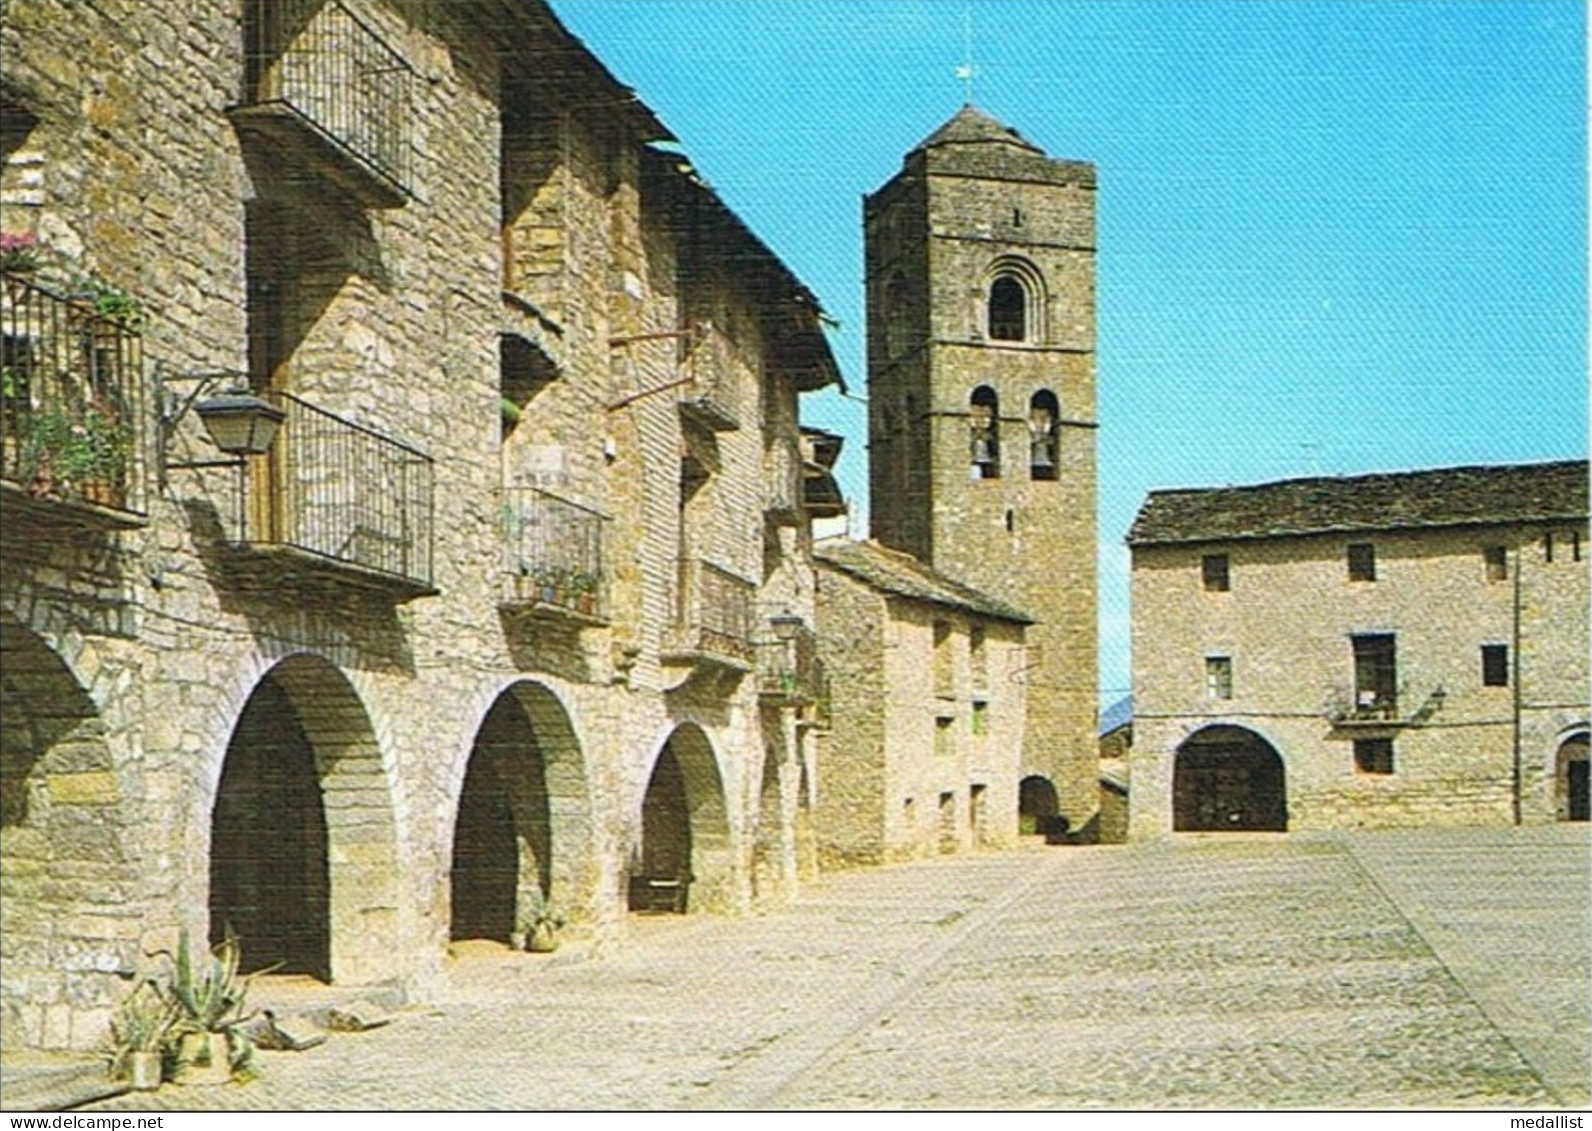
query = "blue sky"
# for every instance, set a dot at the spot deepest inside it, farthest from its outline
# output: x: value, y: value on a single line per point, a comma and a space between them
x: 1334, y: 237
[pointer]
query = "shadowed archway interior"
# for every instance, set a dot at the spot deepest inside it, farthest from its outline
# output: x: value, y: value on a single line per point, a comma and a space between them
x: 1228, y: 779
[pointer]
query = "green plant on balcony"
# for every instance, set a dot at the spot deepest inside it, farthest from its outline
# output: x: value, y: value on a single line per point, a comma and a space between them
x: 114, y: 304
x: 82, y: 453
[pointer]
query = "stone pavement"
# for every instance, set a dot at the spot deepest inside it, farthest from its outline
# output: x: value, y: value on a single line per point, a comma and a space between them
x: 1431, y: 969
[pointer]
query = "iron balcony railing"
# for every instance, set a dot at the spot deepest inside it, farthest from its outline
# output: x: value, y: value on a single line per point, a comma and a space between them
x: 70, y: 395
x: 788, y: 667
x: 553, y: 554
x: 715, y: 614
x: 710, y: 396
x: 347, y: 494
x: 326, y: 66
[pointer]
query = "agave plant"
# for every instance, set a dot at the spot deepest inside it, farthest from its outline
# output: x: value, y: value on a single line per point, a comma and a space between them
x: 144, y: 1022
x: 209, y: 995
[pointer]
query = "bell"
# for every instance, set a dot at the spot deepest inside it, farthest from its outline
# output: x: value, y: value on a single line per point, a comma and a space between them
x: 1043, y: 460
x: 981, y: 451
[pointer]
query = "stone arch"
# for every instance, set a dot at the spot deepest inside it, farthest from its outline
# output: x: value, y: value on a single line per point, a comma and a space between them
x: 685, y: 830
x: 303, y: 844
x: 1014, y: 301
x: 1228, y: 779
x: 1572, y: 793
x: 66, y: 857
x: 1036, y: 801
x: 523, y: 829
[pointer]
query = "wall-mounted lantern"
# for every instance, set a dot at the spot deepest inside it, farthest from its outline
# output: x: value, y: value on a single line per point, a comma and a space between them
x: 237, y: 421
x: 240, y: 423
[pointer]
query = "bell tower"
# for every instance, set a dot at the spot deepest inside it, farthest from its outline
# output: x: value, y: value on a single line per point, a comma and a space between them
x: 980, y: 264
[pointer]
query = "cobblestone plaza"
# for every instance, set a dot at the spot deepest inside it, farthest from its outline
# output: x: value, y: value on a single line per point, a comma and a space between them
x: 1430, y: 969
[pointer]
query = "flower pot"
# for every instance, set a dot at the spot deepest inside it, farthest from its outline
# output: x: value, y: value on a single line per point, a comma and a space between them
x: 204, y: 1059
x: 543, y: 939
x: 103, y: 492
x: 143, y: 1070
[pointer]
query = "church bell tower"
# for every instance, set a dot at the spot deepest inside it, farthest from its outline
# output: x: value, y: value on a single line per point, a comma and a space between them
x: 982, y: 412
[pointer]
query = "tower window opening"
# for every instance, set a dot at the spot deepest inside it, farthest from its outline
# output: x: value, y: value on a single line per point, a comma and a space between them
x: 1043, y: 413
x: 1008, y: 309
x: 984, y: 433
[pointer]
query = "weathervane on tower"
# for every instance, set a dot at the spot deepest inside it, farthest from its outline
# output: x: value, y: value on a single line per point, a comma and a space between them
x: 967, y: 72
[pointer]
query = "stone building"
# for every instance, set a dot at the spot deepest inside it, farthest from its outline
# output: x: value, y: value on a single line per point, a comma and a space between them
x: 1368, y: 651
x: 514, y: 607
x: 980, y: 264
x: 926, y: 689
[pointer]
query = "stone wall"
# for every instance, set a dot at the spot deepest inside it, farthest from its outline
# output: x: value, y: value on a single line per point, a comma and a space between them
x: 145, y: 650
x: 1286, y: 624
x: 924, y: 753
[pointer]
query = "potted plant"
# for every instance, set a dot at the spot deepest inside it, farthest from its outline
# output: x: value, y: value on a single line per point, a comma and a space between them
x: 583, y: 584
x: 537, y: 929
x: 19, y: 253
x: 547, y: 583
x: 212, y: 1042
x: 84, y: 453
x: 140, y: 1031
x: 112, y: 303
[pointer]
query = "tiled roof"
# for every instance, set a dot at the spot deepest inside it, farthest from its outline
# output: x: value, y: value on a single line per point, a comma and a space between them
x: 970, y: 125
x: 904, y: 576
x: 1451, y: 496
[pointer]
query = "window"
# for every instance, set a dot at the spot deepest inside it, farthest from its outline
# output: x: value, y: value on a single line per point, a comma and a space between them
x: 1008, y: 309
x: 980, y: 719
x: 1214, y: 573
x: 944, y: 738
x: 1575, y: 545
x: 1495, y: 665
x: 1373, y: 755
x: 1362, y: 561
x: 1043, y: 413
x: 1219, y: 677
x: 942, y: 657
x: 1497, y: 559
x: 984, y: 437
x: 1375, y: 676
x: 1547, y: 546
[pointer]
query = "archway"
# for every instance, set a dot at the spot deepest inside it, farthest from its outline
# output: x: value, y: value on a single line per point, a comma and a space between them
x: 1573, y: 788
x: 522, y: 838
x: 303, y: 848
x: 684, y: 858
x: 1228, y: 779
x: 1036, y: 800
x: 65, y: 861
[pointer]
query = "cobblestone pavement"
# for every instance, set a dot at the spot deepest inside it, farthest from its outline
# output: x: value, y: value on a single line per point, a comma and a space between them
x: 1368, y: 970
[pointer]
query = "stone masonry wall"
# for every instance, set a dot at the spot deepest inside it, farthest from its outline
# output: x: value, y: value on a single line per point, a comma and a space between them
x: 1287, y: 624
x: 132, y: 655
